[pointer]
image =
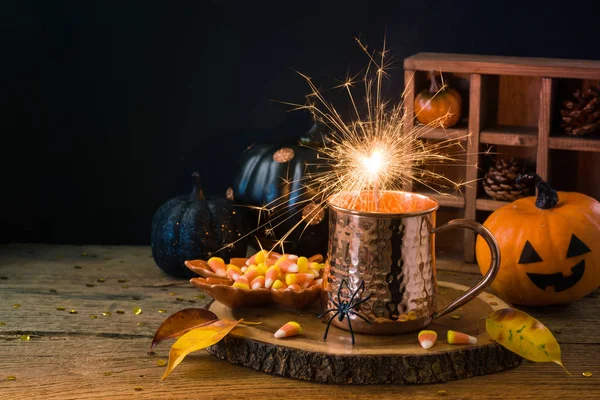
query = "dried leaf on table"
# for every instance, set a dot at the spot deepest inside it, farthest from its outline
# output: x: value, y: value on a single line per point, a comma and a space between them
x: 524, y: 335
x: 197, y: 339
x: 181, y: 322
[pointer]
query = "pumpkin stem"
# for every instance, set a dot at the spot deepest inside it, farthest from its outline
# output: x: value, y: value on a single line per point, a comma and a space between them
x: 197, y: 192
x: 229, y: 194
x: 547, y: 197
x: 436, y: 85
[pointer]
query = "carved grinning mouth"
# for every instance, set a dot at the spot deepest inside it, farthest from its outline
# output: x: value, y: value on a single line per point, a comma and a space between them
x: 560, y: 282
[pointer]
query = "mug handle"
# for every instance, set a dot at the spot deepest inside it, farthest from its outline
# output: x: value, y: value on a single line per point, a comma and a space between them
x: 488, y: 277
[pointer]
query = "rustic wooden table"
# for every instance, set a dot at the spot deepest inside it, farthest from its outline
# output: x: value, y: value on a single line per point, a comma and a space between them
x: 56, y: 342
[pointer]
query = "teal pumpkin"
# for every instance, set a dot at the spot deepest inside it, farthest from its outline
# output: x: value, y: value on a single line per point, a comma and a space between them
x: 274, y: 174
x: 192, y: 227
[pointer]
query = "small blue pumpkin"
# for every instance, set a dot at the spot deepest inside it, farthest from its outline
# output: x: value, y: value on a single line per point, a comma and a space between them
x: 192, y: 227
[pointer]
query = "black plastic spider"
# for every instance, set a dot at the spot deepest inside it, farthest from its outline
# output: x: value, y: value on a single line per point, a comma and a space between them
x: 346, y: 308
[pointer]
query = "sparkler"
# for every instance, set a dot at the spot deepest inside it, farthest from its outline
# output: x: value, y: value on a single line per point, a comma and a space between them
x: 379, y: 148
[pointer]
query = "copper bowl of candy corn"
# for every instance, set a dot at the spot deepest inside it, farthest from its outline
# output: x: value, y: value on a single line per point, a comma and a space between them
x: 265, y: 279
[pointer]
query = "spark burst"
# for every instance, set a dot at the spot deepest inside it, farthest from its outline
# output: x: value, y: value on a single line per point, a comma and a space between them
x: 378, y: 148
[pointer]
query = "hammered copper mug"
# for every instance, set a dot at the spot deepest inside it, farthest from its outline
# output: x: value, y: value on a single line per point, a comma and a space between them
x: 393, y: 253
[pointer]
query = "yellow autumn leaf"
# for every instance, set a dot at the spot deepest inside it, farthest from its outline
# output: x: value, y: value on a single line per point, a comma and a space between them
x: 181, y: 322
x: 197, y: 339
x: 524, y: 335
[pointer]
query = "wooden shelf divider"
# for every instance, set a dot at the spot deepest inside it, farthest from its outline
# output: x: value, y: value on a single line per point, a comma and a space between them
x: 486, y: 75
x: 409, y: 109
x: 475, y: 123
x: 543, y: 135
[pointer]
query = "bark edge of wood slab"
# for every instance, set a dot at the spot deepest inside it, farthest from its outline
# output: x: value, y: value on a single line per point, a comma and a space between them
x: 381, y: 360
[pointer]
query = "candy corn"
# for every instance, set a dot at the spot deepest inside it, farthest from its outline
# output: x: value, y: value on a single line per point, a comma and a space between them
x: 252, y: 272
x: 271, y: 275
x: 295, y: 287
x: 278, y: 285
x: 218, y: 266
x: 292, y: 328
x: 242, y: 283
x: 302, y: 263
x: 301, y: 279
x: 286, y: 264
x: 262, y: 268
x: 258, y: 258
x: 271, y: 261
x: 257, y: 282
x: 315, y: 265
x: 233, y: 272
x: 427, y: 339
x: 267, y: 270
x: 460, y: 338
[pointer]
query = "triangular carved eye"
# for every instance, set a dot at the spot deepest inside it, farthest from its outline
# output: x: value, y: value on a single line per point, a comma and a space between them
x: 576, y: 247
x: 529, y: 255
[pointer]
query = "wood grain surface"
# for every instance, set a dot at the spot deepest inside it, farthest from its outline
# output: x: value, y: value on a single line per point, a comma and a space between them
x: 374, y: 359
x: 73, y: 356
x: 501, y: 65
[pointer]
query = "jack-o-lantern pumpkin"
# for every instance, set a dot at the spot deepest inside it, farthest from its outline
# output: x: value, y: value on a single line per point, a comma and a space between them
x: 550, y: 252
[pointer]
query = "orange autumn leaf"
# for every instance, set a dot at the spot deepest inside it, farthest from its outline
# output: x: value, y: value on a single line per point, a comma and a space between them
x: 524, y: 335
x: 197, y: 339
x: 181, y: 322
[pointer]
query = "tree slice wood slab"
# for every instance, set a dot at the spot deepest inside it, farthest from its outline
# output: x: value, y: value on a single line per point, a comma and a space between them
x: 397, y: 359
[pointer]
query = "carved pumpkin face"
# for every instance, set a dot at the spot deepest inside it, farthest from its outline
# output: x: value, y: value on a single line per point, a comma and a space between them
x: 548, y: 256
x: 556, y: 280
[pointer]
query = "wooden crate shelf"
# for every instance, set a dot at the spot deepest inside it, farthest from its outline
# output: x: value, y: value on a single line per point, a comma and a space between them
x: 489, y: 204
x: 445, y: 134
x: 575, y: 144
x: 500, y: 65
x: 510, y: 136
x: 513, y: 105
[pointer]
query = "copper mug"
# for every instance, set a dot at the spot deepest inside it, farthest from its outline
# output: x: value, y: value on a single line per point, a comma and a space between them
x: 393, y: 255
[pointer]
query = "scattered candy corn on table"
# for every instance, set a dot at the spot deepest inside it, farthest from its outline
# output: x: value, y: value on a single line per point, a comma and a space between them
x: 77, y: 322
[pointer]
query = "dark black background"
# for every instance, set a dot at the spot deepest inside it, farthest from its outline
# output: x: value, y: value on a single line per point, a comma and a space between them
x: 107, y: 107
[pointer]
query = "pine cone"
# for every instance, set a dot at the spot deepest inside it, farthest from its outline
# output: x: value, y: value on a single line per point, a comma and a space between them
x: 582, y: 116
x: 499, y: 182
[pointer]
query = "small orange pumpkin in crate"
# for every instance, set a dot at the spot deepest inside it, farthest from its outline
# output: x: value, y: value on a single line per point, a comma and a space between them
x: 549, y: 247
x: 439, y: 105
